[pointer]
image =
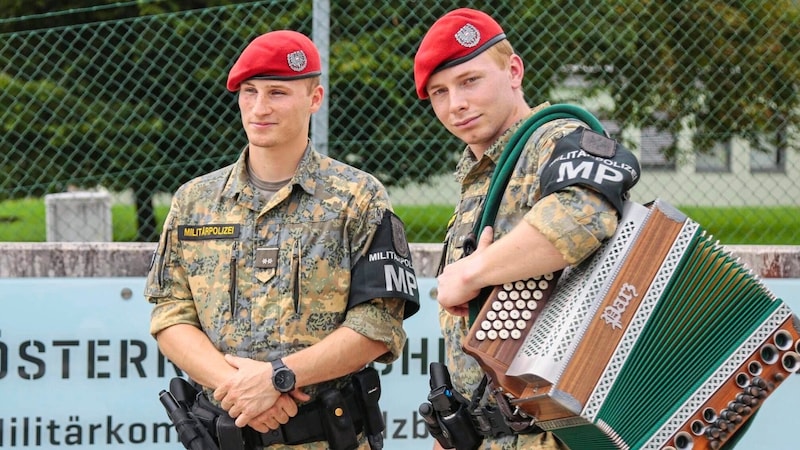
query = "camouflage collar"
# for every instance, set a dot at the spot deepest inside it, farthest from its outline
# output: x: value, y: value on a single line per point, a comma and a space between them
x: 309, y: 167
x: 238, y: 186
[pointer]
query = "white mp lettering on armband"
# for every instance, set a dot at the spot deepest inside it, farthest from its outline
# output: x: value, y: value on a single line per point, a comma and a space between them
x: 568, y: 171
x: 606, y: 174
x: 584, y: 170
x: 399, y: 280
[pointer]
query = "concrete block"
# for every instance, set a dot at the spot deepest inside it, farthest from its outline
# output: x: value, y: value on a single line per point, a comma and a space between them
x: 78, y: 217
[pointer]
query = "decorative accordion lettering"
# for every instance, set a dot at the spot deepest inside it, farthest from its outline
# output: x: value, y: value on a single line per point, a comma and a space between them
x: 612, y: 315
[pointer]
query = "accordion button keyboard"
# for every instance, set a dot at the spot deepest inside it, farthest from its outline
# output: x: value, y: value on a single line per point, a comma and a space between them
x: 512, y: 309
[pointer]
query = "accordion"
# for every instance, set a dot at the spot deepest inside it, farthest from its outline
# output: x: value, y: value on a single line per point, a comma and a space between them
x: 661, y: 339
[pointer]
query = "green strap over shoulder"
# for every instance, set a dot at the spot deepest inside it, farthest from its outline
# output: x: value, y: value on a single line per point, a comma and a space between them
x: 505, y: 166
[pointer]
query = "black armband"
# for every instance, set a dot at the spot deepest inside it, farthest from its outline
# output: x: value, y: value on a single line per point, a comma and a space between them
x: 590, y: 159
x: 386, y: 270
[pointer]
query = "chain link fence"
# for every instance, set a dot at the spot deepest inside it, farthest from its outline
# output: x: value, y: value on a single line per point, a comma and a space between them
x: 112, y: 108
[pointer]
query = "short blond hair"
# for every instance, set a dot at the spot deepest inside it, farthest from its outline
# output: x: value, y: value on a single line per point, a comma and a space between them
x: 500, y: 52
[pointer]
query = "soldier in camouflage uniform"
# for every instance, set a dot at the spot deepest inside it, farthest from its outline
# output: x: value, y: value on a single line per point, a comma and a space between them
x: 468, y: 70
x: 284, y: 256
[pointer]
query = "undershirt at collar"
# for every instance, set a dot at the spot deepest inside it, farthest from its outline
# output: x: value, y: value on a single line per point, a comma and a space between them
x: 265, y: 188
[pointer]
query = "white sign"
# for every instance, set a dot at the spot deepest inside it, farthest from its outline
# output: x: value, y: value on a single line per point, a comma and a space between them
x: 79, y: 369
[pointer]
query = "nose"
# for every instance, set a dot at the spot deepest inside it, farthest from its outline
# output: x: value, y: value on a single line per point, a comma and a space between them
x: 458, y: 101
x: 262, y: 104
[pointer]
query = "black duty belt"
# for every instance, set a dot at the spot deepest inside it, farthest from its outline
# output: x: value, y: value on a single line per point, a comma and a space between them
x: 307, y: 426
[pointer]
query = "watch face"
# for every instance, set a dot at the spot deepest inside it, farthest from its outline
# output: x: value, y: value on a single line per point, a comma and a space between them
x: 284, y: 380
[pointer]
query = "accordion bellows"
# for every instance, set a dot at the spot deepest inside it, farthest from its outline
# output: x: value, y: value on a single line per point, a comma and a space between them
x: 660, y: 340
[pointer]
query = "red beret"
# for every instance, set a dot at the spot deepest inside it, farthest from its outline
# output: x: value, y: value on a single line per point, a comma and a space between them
x: 456, y: 37
x: 277, y: 55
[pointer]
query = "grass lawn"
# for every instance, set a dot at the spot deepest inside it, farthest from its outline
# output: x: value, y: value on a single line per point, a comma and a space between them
x: 24, y: 221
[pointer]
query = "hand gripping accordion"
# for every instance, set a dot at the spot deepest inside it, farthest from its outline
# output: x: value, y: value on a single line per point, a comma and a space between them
x: 660, y: 340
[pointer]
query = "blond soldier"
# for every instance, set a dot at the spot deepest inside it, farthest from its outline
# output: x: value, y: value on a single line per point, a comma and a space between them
x: 279, y: 276
x: 468, y: 70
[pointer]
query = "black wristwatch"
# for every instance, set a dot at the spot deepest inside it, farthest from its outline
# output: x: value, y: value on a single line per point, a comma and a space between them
x: 282, y: 377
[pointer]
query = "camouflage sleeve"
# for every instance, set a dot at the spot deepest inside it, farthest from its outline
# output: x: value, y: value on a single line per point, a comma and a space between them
x: 380, y: 320
x: 167, y: 286
x: 576, y: 220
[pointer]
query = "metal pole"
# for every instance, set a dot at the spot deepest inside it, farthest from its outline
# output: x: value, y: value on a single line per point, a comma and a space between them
x: 321, y: 23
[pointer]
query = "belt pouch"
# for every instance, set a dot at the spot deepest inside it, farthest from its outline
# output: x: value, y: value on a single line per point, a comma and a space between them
x: 229, y: 435
x: 337, y: 421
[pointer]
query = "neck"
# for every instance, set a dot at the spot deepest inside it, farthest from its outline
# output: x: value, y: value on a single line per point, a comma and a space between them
x: 273, y: 165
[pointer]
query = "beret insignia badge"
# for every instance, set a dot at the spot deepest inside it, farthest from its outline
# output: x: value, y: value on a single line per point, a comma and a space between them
x: 297, y: 61
x: 468, y: 36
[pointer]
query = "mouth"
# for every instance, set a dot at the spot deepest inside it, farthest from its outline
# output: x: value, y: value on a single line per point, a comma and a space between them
x: 465, y: 122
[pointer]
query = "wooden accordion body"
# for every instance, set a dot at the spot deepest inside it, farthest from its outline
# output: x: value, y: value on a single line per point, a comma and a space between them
x: 660, y: 340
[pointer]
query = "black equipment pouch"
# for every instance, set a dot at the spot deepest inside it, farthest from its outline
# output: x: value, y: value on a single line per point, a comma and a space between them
x: 337, y: 421
x: 229, y: 436
x: 367, y: 384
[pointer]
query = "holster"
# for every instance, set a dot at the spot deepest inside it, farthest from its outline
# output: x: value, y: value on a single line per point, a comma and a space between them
x: 193, y: 432
x: 458, y: 423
